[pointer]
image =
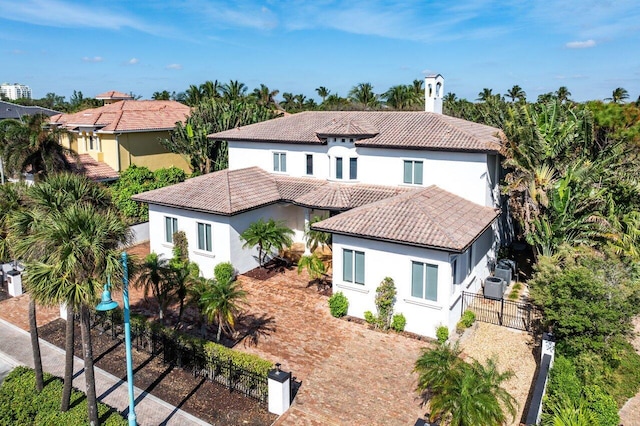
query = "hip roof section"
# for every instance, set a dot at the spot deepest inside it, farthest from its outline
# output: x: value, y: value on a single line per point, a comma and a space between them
x: 380, y: 129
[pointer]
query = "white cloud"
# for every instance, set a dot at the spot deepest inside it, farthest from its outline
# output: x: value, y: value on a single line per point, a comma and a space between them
x: 94, y: 59
x: 580, y: 44
x: 133, y: 61
x: 174, y: 67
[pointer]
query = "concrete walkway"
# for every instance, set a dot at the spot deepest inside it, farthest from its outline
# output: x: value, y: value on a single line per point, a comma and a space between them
x: 15, y: 346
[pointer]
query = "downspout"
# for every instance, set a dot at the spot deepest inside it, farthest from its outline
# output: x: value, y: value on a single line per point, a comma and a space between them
x: 118, y: 152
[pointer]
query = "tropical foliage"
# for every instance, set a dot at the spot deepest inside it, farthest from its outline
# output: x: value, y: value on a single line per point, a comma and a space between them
x: 461, y: 393
x: 270, y: 237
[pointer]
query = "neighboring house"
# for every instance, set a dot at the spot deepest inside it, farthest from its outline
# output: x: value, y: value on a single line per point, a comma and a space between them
x: 125, y: 132
x: 409, y: 195
x: 15, y: 111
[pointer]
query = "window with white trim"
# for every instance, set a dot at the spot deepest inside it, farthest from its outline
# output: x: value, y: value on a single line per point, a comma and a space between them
x: 353, y: 168
x: 280, y: 162
x: 170, y: 228
x: 424, y: 281
x: 204, y: 237
x: 338, y: 167
x: 353, y: 266
x: 413, y: 172
x: 310, y: 164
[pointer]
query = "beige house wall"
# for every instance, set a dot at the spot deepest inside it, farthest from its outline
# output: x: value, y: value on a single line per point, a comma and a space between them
x: 145, y: 149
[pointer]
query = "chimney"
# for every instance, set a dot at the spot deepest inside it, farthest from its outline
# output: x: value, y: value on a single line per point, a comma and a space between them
x: 433, y: 93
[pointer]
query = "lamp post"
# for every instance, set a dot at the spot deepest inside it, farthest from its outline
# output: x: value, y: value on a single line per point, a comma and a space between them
x: 108, y: 304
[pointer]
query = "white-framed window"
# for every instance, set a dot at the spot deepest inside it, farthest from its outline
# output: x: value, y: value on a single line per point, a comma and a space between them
x: 204, y: 237
x: 424, y: 281
x: 170, y: 227
x: 280, y: 162
x: 353, y: 168
x: 470, y: 260
x: 309, y: 164
x: 338, y: 167
x: 413, y: 172
x: 353, y: 266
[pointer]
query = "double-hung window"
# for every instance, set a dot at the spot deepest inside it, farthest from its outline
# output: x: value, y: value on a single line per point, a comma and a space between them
x: 353, y: 266
x: 424, y: 281
x: 170, y: 227
x: 204, y: 237
x: 310, y: 164
x: 413, y: 172
x: 338, y: 167
x: 353, y: 168
x: 280, y: 162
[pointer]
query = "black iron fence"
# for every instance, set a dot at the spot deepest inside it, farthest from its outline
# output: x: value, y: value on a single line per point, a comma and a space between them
x: 176, y: 351
x: 513, y: 314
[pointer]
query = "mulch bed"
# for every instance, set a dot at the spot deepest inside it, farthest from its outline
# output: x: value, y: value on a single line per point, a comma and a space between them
x: 270, y: 269
x: 195, y: 395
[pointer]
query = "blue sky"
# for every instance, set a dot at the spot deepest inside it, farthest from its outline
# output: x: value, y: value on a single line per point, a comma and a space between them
x: 143, y: 46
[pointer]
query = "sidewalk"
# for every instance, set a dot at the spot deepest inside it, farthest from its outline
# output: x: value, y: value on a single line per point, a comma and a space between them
x: 15, y: 343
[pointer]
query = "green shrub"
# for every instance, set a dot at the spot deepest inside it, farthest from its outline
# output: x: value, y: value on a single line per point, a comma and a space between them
x: 563, y: 382
x: 20, y: 404
x: 224, y: 272
x: 398, y: 322
x: 385, y: 298
x: 517, y: 286
x: 468, y: 318
x: 602, y: 405
x: 442, y: 333
x: 513, y: 295
x: 369, y: 317
x: 338, y: 305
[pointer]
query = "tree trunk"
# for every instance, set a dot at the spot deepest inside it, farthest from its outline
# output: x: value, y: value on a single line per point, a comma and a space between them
x: 219, y: 331
x: 68, y: 360
x: 35, y: 344
x: 87, y: 352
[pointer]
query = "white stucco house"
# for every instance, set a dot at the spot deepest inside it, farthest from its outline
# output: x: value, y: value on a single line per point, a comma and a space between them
x: 409, y: 195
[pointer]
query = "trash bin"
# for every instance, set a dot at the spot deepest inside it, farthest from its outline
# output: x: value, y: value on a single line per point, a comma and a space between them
x: 493, y: 288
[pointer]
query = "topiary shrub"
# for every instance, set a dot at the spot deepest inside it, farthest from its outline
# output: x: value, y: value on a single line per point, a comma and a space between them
x: 398, y: 322
x: 442, y: 333
x: 369, y: 317
x: 385, y: 298
x: 224, y: 272
x: 338, y: 305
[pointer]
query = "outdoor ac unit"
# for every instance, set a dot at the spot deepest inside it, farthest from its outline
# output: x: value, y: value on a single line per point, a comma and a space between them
x: 493, y: 288
x: 504, y: 272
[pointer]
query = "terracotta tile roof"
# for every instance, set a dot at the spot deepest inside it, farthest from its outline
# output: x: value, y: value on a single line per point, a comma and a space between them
x: 429, y: 217
x: 345, y: 196
x: 127, y: 116
x: 114, y: 94
x: 94, y: 170
x: 226, y: 192
x: 412, y: 130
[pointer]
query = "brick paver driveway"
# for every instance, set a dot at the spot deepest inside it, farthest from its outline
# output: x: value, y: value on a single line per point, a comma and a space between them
x: 349, y: 374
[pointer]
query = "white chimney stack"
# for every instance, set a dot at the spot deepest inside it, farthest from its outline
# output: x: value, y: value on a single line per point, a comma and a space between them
x: 433, y: 93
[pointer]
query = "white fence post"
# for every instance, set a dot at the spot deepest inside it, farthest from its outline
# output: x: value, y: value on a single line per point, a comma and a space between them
x: 279, y: 390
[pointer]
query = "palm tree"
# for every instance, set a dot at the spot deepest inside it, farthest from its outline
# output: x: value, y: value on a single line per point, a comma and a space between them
x: 268, y: 236
x: 316, y: 239
x: 323, y: 92
x: 516, y: 92
x: 400, y: 97
x: 288, y: 101
x: 221, y: 302
x: 562, y: 94
x: 485, y: 95
x: 618, y: 96
x: 363, y: 94
x: 210, y: 89
x: 234, y: 90
x: 193, y: 95
x: 154, y: 278
x: 264, y: 96
x: 313, y: 265
x: 161, y: 96
x: 31, y: 147
x: 68, y: 251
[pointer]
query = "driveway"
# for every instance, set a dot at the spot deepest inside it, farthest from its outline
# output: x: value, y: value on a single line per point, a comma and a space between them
x: 349, y: 374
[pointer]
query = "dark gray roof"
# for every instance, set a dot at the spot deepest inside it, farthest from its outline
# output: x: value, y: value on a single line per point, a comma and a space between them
x: 9, y: 110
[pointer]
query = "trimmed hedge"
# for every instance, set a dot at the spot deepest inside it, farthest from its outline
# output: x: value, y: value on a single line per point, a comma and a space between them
x: 210, y: 349
x: 20, y: 404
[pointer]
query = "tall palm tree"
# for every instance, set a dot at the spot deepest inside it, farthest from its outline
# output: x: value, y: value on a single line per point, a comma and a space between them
x: 323, y: 92
x: 288, y: 101
x: 210, y: 89
x: 400, y: 97
x: 562, y: 94
x: 267, y: 236
x: 485, y: 95
x: 234, y: 90
x: 516, y: 92
x: 619, y: 95
x: 193, y: 95
x: 30, y: 146
x: 161, y: 96
x: 264, y: 96
x: 363, y: 95
x: 154, y: 278
x: 68, y: 251
x: 221, y: 302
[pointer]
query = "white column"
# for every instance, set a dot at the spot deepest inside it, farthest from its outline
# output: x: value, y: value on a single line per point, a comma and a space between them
x: 548, y: 347
x: 279, y: 390
x: 307, y: 220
